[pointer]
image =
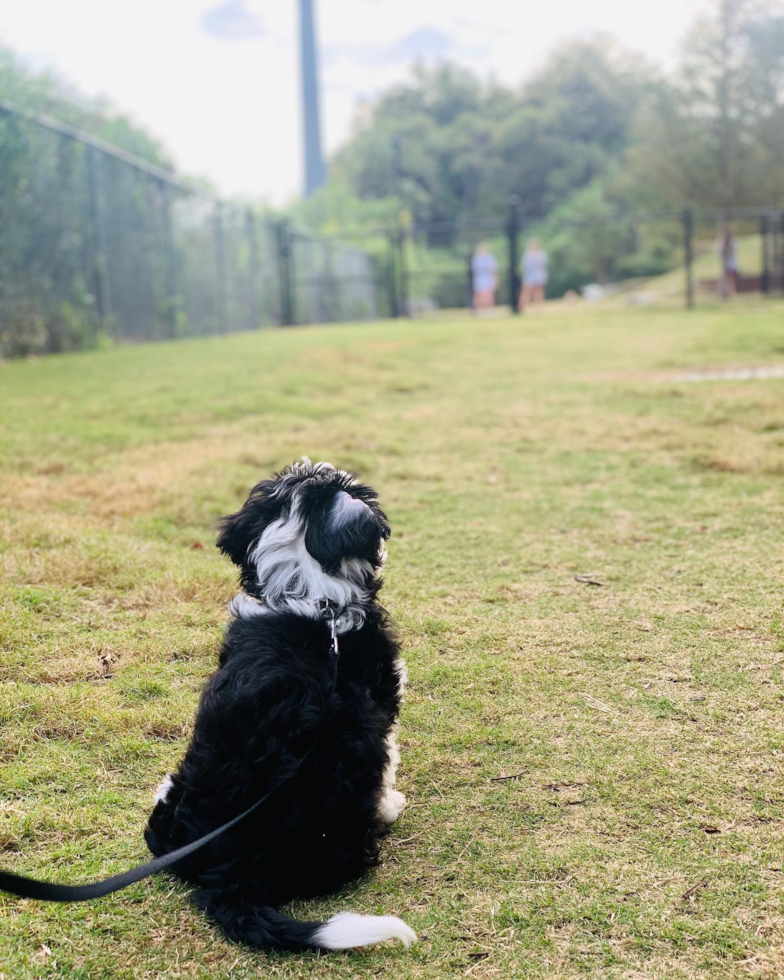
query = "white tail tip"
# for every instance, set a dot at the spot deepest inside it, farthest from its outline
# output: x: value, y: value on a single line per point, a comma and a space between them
x: 349, y: 930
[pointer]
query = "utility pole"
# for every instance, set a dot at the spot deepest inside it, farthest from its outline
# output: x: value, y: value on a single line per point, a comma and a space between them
x: 725, y: 99
x: 315, y: 172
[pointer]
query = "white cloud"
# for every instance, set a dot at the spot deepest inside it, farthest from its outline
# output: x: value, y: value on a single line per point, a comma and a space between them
x: 218, y: 81
x: 423, y: 43
x: 232, y: 21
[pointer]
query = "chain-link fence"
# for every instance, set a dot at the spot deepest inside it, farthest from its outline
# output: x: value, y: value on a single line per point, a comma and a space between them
x: 639, y: 258
x: 95, y: 243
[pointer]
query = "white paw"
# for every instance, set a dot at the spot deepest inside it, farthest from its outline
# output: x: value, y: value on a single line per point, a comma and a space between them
x: 163, y: 790
x: 391, y: 806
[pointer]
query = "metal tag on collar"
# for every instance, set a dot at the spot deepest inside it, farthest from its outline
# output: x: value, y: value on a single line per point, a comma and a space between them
x: 329, y: 611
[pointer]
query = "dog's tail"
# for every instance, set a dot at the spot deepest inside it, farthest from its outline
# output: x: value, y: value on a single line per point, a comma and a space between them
x: 247, y: 922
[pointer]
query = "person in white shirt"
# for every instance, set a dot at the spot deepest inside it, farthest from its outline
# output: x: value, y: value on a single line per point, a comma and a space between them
x: 727, y: 249
x: 484, y: 272
x: 533, y: 267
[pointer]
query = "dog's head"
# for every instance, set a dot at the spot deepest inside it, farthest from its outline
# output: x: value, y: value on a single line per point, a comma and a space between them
x: 307, y: 525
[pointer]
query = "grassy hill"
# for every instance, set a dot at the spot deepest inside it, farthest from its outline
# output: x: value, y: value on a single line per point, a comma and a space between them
x: 586, y: 572
x: 670, y: 288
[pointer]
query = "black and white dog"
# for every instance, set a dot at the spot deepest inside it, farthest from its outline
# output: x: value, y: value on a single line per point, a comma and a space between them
x: 310, y: 538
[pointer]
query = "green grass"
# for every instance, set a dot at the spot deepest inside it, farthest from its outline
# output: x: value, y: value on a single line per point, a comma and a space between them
x: 643, y: 717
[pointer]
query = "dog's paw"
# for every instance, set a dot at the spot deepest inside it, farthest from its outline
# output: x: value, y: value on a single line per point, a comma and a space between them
x: 163, y: 790
x: 391, y: 806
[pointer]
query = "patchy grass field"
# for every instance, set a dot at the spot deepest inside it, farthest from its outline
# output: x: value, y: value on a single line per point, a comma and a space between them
x: 594, y: 767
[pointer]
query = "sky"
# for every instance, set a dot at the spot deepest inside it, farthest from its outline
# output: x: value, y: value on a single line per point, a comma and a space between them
x: 217, y: 81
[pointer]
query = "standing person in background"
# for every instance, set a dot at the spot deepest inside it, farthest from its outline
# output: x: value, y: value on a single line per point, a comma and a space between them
x: 484, y: 273
x: 727, y: 249
x: 533, y: 267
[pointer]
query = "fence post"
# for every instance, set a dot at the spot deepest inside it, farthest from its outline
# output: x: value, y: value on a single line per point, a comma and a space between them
x: 324, y: 285
x: 780, y: 251
x: 285, y: 279
x: 103, y: 291
x: 765, y: 280
x: 394, y: 306
x: 513, y: 236
x: 335, y: 289
x: 253, y: 269
x: 172, y: 297
x: 220, y: 264
x: 405, y: 304
x: 687, y: 218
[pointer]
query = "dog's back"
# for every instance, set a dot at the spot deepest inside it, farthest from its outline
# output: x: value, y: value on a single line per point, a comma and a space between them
x: 280, y: 713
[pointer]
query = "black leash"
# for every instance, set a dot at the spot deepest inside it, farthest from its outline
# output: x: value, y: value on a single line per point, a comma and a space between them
x: 46, y: 891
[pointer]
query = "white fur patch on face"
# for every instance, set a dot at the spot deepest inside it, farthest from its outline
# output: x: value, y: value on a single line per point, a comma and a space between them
x: 163, y: 790
x: 291, y: 580
x: 345, y: 507
x: 349, y: 930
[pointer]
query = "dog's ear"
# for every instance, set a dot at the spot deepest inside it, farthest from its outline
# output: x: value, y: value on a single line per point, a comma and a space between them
x: 241, y: 530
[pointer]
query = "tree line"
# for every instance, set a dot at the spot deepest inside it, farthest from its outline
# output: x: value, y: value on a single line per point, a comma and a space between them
x: 597, y: 130
x: 596, y: 125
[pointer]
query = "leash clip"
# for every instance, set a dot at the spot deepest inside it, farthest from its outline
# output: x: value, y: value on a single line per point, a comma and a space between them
x: 329, y: 611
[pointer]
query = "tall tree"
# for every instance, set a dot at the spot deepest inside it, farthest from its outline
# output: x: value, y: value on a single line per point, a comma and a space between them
x: 714, y: 136
x: 452, y: 147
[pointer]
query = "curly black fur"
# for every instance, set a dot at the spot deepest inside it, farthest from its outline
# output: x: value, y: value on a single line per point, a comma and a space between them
x: 273, y: 695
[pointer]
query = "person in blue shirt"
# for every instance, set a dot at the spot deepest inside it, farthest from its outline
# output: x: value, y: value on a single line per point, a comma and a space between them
x: 533, y: 268
x: 484, y: 272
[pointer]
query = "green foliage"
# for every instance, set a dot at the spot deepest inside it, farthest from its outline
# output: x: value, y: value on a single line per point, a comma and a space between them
x: 50, y: 255
x: 337, y: 207
x: 596, y: 131
x: 714, y: 134
x: 94, y: 249
x: 451, y: 147
x: 583, y: 249
x: 45, y: 93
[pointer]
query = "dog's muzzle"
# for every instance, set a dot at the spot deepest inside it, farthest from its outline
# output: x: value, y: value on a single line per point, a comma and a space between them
x: 346, y: 508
